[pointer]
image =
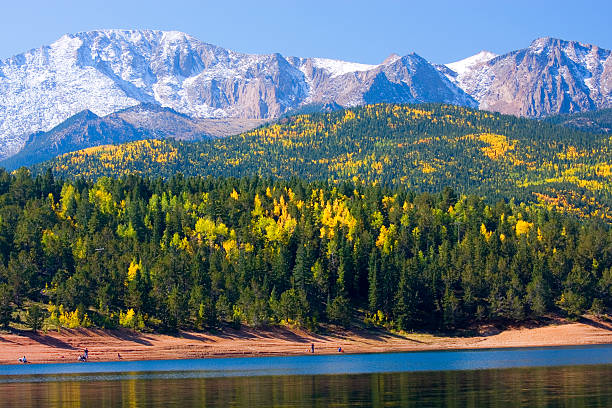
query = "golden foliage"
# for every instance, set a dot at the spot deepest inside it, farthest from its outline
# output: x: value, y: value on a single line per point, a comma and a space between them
x: 523, y: 227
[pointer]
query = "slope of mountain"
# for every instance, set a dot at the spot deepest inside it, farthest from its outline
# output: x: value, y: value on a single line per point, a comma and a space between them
x: 80, y: 131
x: 168, y: 123
x: 408, y: 79
x: 145, y: 121
x: 424, y: 147
x: 599, y: 121
x: 109, y: 70
x: 551, y: 76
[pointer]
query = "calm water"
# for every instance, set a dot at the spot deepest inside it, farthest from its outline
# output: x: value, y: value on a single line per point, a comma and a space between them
x: 546, y: 377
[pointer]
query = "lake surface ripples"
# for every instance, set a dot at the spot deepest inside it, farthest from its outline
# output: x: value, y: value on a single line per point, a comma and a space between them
x: 571, y: 376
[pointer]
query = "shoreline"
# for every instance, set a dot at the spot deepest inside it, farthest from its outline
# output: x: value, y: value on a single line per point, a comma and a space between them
x: 107, y: 345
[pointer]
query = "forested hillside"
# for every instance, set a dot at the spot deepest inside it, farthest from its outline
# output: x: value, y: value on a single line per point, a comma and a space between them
x: 197, y: 252
x: 422, y: 147
x: 599, y: 121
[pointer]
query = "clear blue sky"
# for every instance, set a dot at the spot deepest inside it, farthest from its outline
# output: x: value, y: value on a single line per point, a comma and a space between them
x: 357, y: 30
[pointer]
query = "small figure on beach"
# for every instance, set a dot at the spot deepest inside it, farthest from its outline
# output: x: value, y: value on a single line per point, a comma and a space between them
x: 339, y: 349
x: 119, y: 356
x: 23, y: 359
x: 86, y: 353
x: 312, y: 348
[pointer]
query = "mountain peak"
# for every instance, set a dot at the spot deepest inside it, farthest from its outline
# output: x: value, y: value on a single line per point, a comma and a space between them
x: 537, y: 73
x: 465, y: 64
x: 541, y: 43
x: 109, y: 32
x: 391, y: 59
x: 129, y: 35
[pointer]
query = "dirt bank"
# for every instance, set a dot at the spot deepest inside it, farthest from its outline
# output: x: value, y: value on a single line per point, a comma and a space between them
x: 106, y: 345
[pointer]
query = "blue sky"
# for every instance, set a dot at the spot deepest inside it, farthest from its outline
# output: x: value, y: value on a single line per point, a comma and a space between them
x: 361, y: 31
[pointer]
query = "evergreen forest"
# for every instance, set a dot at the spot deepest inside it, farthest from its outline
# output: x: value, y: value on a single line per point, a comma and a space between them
x: 419, y: 147
x: 184, y: 252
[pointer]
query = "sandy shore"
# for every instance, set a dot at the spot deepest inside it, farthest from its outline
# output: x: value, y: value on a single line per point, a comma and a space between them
x: 105, y: 345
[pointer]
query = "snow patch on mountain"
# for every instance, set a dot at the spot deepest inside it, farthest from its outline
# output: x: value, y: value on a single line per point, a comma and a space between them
x: 460, y: 67
x: 337, y: 67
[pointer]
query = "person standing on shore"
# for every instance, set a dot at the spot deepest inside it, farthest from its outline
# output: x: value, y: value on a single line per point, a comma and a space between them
x: 86, y: 353
x: 312, y: 348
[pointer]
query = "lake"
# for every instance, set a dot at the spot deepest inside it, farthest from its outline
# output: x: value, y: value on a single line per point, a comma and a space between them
x: 560, y: 376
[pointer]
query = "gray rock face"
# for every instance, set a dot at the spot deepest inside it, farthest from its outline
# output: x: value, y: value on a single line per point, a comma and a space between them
x: 106, y: 71
x: 408, y: 79
x: 549, y: 77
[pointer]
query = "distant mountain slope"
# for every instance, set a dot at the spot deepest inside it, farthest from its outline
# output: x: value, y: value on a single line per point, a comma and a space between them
x: 551, y: 76
x: 109, y: 70
x: 145, y: 121
x: 425, y: 147
x: 599, y: 121
x: 82, y: 130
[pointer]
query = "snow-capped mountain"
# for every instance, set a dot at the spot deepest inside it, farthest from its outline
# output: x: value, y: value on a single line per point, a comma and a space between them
x: 408, y: 79
x: 109, y: 70
x: 551, y: 76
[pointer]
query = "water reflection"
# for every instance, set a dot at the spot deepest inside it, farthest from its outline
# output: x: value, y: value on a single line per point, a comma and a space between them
x: 313, y: 364
x: 577, y: 386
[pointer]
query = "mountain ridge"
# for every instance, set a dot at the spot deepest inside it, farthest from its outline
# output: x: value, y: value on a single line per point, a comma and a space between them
x: 144, y: 121
x: 109, y: 70
x: 106, y: 71
x: 551, y: 76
